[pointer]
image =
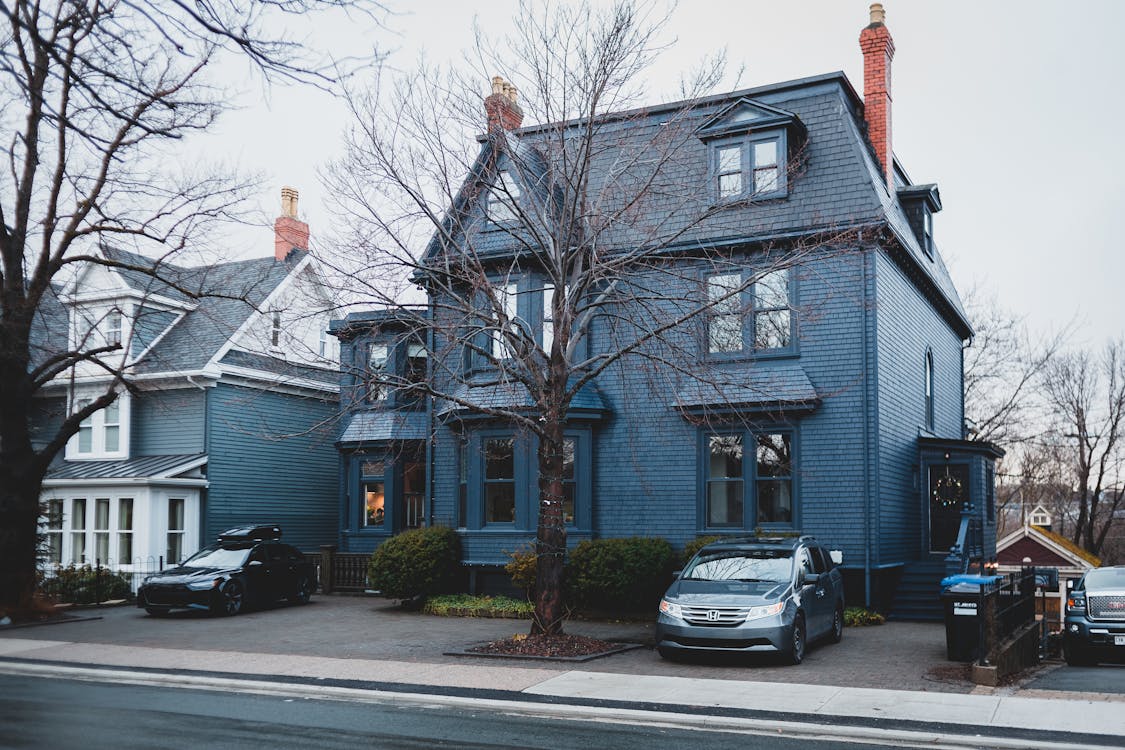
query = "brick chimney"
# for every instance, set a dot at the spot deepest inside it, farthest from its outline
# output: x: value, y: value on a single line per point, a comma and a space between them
x: 501, y: 107
x: 878, y: 51
x: 289, y: 232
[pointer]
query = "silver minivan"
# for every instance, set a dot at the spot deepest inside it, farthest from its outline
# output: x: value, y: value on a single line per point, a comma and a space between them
x: 754, y: 594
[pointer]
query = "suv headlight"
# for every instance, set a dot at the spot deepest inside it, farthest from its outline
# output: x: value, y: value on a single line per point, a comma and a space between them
x: 756, y: 613
x: 1076, y: 603
x: 671, y: 609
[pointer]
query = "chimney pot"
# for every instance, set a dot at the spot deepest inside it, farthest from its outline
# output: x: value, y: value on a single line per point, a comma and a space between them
x: 878, y: 15
x: 289, y: 232
x: 501, y: 108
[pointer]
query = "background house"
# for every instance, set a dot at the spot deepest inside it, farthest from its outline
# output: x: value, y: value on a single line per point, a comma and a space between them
x: 231, y: 380
x: 1035, y: 544
x: 838, y: 409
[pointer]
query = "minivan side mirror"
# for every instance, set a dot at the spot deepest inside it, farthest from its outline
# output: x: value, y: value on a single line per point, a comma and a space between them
x: 808, y: 579
x: 837, y: 556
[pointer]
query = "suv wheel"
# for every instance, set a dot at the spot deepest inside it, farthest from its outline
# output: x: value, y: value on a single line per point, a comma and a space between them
x: 796, y: 653
x: 837, y: 633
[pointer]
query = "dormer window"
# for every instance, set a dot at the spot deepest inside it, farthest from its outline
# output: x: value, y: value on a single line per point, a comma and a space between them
x: 749, y: 167
x: 502, y: 199
x: 275, y: 328
x: 378, y: 357
x: 928, y: 232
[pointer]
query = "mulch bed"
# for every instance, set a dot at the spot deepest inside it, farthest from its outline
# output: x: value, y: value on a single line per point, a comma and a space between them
x: 574, y: 648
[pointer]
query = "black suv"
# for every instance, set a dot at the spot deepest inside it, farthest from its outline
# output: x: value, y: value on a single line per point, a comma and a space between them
x: 754, y: 594
x: 248, y: 565
x: 1095, y: 617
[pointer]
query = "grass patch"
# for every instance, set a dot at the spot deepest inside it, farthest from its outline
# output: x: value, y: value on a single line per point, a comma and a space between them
x: 858, y: 617
x: 474, y: 605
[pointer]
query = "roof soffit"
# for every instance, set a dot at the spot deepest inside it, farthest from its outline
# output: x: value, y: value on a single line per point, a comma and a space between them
x: 746, y: 115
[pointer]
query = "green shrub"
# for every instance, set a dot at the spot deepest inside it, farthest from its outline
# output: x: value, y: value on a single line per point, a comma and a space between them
x: 521, y: 567
x: 474, y: 605
x: 697, y: 544
x: 415, y: 563
x: 855, y: 617
x: 626, y: 575
x: 86, y: 585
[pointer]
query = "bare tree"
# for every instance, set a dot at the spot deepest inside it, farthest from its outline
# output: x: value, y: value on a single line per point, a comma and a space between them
x: 1002, y: 368
x: 94, y: 98
x: 1086, y: 397
x: 604, y: 207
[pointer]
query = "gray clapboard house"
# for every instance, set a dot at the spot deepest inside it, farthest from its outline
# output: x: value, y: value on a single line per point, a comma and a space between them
x: 233, y: 381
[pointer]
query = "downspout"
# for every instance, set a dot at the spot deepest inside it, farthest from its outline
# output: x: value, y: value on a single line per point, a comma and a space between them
x: 430, y: 427
x: 868, y: 381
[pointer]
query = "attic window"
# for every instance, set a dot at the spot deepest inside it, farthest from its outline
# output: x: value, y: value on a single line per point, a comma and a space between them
x: 275, y: 328
x: 502, y: 199
x: 113, y: 327
x: 928, y: 232
x: 749, y: 167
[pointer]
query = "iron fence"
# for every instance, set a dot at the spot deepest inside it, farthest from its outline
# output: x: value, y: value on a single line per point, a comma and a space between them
x: 97, y: 582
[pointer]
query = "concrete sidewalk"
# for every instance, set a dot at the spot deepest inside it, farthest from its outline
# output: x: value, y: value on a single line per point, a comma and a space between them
x: 978, y: 720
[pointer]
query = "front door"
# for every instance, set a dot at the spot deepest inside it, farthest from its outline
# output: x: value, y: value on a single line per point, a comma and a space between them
x: 949, y: 491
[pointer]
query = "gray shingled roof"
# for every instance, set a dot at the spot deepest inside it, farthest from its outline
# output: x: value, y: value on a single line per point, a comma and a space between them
x: 764, y: 385
x: 385, y: 426
x: 138, y: 467
x: 280, y: 367
x: 514, y: 395
x: 839, y: 184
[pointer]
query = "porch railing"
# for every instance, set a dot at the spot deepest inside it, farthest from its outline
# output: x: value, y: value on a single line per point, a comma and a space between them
x: 1006, y: 607
x: 969, y: 548
x: 341, y: 571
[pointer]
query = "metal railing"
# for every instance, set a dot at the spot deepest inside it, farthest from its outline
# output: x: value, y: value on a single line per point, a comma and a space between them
x: 969, y: 547
x: 1005, y: 607
x: 97, y: 582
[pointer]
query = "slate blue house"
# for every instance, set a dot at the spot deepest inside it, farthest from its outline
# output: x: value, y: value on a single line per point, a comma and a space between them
x: 841, y: 409
x: 228, y: 418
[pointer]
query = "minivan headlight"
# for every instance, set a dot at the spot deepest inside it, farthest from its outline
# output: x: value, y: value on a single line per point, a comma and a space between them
x: 756, y: 613
x: 671, y: 609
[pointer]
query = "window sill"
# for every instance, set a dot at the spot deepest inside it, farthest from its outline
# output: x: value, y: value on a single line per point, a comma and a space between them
x: 749, y: 200
x: 719, y: 357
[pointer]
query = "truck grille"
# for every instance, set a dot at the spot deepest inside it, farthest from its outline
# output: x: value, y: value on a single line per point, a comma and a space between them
x: 1107, y: 607
x: 719, y: 617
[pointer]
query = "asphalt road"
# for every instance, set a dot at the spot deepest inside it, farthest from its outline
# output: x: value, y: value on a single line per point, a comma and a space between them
x: 62, y: 714
x: 1104, y: 678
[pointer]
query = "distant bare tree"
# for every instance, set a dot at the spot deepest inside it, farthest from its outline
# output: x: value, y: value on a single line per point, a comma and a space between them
x: 1086, y: 397
x: 94, y: 96
x: 1002, y: 368
x: 602, y: 204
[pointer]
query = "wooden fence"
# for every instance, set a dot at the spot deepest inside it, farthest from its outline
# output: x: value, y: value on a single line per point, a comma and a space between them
x: 341, y: 571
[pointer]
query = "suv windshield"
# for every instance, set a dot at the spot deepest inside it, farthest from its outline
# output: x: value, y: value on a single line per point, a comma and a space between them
x: 769, y: 565
x: 218, y: 557
x: 1105, y: 578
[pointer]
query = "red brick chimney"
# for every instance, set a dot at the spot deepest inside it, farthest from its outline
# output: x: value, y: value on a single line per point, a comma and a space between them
x: 289, y: 232
x: 878, y: 51
x: 501, y: 107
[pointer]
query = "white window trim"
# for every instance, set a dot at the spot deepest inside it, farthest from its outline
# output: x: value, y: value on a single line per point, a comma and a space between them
x: 98, y: 451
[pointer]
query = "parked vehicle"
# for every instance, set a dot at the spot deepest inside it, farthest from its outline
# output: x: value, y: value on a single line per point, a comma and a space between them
x: 1094, y: 623
x: 248, y: 566
x: 754, y: 594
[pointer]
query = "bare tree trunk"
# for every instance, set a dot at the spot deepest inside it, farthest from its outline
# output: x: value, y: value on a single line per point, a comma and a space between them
x: 550, y: 541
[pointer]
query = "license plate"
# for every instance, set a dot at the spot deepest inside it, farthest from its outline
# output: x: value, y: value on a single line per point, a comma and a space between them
x: 1119, y: 640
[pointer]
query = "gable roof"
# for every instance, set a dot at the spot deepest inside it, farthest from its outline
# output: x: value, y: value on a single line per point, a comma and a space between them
x: 1055, y: 546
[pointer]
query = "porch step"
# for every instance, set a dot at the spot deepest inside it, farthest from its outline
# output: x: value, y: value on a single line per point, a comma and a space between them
x: 918, y: 597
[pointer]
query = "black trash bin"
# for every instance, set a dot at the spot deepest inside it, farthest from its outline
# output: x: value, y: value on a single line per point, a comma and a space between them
x: 962, y: 602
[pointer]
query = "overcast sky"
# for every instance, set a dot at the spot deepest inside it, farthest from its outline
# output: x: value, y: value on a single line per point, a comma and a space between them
x: 1013, y: 107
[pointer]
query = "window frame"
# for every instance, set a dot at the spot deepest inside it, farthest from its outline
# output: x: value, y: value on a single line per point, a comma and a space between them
x: 748, y: 313
x: 502, y: 207
x: 97, y: 428
x: 749, y: 168
x: 928, y: 389
x: 750, y: 479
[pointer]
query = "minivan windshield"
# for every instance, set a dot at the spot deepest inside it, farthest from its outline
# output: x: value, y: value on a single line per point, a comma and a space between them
x: 217, y: 557
x: 1105, y: 578
x: 764, y: 565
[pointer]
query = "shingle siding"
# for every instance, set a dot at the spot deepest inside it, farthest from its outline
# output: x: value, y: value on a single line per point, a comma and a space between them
x: 271, y: 459
x: 907, y: 326
x: 169, y: 422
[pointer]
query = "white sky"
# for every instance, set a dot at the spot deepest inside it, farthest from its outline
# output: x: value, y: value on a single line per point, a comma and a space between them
x: 1014, y: 107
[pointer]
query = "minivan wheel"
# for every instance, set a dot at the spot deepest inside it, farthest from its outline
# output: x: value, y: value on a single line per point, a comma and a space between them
x: 837, y: 633
x: 796, y: 652
x: 666, y: 653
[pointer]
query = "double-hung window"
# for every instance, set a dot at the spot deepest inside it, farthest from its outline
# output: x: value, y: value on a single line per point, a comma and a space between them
x: 756, y: 319
x: 113, y: 327
x: 750, y: 167
x: 499, y: 480
x: 175, y: 536
x: 507, y: 300
x: 742, y: 494
x: 124, y: 530
x: 101, y: 530
x: 77, y: 531
x: 569, y: 479
x: 103, y: 434
x: 378, y: 358
x: 503, y: 198
x: 54, y: 531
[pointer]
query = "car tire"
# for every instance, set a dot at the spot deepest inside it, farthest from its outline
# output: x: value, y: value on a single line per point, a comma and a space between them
x: 837, y: 633
x: 303, y: 591
x: 795, y: 654
x: 667, y: 653
x: 157, y: 611
x: 228, y: 602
